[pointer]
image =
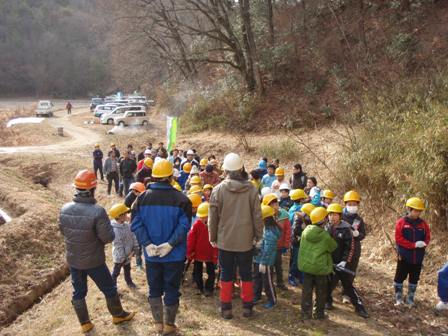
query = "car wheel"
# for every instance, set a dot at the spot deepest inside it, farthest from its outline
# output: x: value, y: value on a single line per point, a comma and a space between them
x: 121, y: 124
x: 144, y: 123
x: 110, y: 121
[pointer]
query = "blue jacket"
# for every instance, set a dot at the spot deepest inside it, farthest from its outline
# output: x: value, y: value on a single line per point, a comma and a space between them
x: 182, y: 180
x: 268, y: 249
x: 267, y: 180
x: 296, y: 207
x: 162, y: 214
x: 442, y: 287
x: 97, y: 155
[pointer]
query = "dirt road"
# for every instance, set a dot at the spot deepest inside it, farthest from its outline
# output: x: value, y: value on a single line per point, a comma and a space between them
x: 80, y: 136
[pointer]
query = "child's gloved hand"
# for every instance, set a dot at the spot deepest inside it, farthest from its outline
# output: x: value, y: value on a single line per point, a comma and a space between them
x: 420, y: 244
x: 284, y: 250
x: 262, y: 268
x: 152, y: 251
x: 342, y: 264
x: 355, y: 233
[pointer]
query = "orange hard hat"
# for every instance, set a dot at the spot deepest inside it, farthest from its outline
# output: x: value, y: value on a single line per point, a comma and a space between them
x: 137, y: 186
x: 85, y: 180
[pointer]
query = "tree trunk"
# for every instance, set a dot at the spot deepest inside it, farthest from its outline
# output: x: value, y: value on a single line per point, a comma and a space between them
x: 270, y: 17
x: 253, y: 76
x: 362, y: 28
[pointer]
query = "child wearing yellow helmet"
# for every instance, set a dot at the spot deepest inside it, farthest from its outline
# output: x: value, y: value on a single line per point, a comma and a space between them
x: 125, y: 244
x: 265, y: 258
x: 201, y: 251
x: 412, y: 235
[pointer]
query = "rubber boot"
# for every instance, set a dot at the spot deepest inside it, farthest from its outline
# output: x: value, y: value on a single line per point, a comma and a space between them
x: 225, y: 296
x: 127, y: 276
x: 411, y: 294
x: 169, y: 316
x: 82, y: 312
x: 116, y: 310
x: 247, y: 296
x: 398, y: 293
x: 156, y: 306
x: 361, y: 311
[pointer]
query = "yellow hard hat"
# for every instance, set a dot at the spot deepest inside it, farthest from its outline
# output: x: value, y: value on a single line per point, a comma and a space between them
x: 335, y: 208
x: 208, y: 186
x: 203, y: 210
x: 307, y: 208
x: 203, y: 162
x: 327, y: 193
x: 267, y: 199
x: 187, y: 167
x: 148, y: 163
x: 415, y: 203
x: 117, y: 210
x: 97, y: 145
x: 162, y: 168
x: 352, y: 196
x: 267, y: 211
x: 280, y: 171
x: 195, y: 180
x: 318, y: 215
x: 195, y: 200
x: 195, y: 189
x: 297, y: 194
x: 112, y: 144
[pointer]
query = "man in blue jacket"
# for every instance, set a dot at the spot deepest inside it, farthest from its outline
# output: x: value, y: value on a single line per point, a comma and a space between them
x: 98, y: 161
x: 161, y: 221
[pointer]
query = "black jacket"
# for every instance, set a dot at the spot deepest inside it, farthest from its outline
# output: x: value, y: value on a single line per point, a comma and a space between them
x: 143, y: 174
x: 356, y: 220
x: 346, y: 243
x: 86, y: 229
x: 298, y: 181
x: 127, y: 167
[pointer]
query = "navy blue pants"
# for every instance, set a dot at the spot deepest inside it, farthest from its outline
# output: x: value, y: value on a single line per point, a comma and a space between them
x: 127, y: 181
x: 98, y: 165
x: 100, y: 275
x: 228, y: 261
x: 164, y: 280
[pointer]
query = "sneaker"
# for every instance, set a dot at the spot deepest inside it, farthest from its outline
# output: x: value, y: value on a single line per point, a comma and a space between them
x: 293, y: 281
x: 248, y: 312
x: 256, y: 299
x: 361, y: 311
x: 226, y: 314
x: 345, y: 299
x: 398, y: 303
x: 269, y: 305
x: 442, y: 306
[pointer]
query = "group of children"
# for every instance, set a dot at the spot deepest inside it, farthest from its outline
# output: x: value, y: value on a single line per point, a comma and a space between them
x: 324, y: 238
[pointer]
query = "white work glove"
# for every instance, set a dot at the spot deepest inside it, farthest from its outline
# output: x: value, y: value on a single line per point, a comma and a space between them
x: 151, y: 249
x: 420, y: 244
x: 262, y: 268
x: 355, y: 233
x: 164, y: 249
x: 214, y: 245
x: 342, y: 264
x: 258, y: 244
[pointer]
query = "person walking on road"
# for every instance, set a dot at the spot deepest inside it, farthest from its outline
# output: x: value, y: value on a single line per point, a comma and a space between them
x: 86, y: 229
x: 127, y: 171
x: 68, y: 107
x: 98, y: 161
x: 235, y: 224
x: 161, y: 219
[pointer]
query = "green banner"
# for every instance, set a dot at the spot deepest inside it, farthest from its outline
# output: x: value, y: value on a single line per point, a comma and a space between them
x: 171, y: 132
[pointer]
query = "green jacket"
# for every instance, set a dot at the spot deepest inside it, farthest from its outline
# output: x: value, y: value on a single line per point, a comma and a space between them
x: 316, y: 246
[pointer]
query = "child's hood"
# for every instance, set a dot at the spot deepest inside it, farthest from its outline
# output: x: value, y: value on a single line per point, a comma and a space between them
x: 236, y: 186
x: 282, y: 214
x: 116, y: 225
x: 314, y: 234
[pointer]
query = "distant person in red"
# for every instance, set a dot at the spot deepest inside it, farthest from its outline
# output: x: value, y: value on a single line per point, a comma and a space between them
x: 68, y: 107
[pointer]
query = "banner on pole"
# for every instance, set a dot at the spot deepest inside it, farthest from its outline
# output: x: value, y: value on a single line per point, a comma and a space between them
x: 171, y: 132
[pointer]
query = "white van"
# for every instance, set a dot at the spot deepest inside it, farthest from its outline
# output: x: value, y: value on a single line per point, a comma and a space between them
x: 132, y: 118
x: 108, y: 118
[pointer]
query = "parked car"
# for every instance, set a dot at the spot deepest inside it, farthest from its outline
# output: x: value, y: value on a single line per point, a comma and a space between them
x: 109, y: 117
x: 44, y: 108
x: 138, y: 100
x: 132, y: 118
x: 95, y: 102
x: 105, y: 108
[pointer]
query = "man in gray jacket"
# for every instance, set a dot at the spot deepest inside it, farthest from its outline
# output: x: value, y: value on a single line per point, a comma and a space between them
x: 235, y: 225
x: 86, y: 229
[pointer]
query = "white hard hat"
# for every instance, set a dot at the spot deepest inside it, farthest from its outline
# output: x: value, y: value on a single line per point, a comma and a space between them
x: 190, y: 152
x: 232, y: 162
x: 265, y: 191
x: 284, y: 186
x: 147, y: 152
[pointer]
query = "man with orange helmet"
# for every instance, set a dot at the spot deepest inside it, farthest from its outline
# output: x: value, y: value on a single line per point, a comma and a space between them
x: 86, y: 229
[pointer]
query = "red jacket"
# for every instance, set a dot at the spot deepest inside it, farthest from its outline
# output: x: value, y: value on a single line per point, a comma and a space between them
x: 407, y: 233
x: 285, y: 226
x: 140, y: 164
x: 198, y: 245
